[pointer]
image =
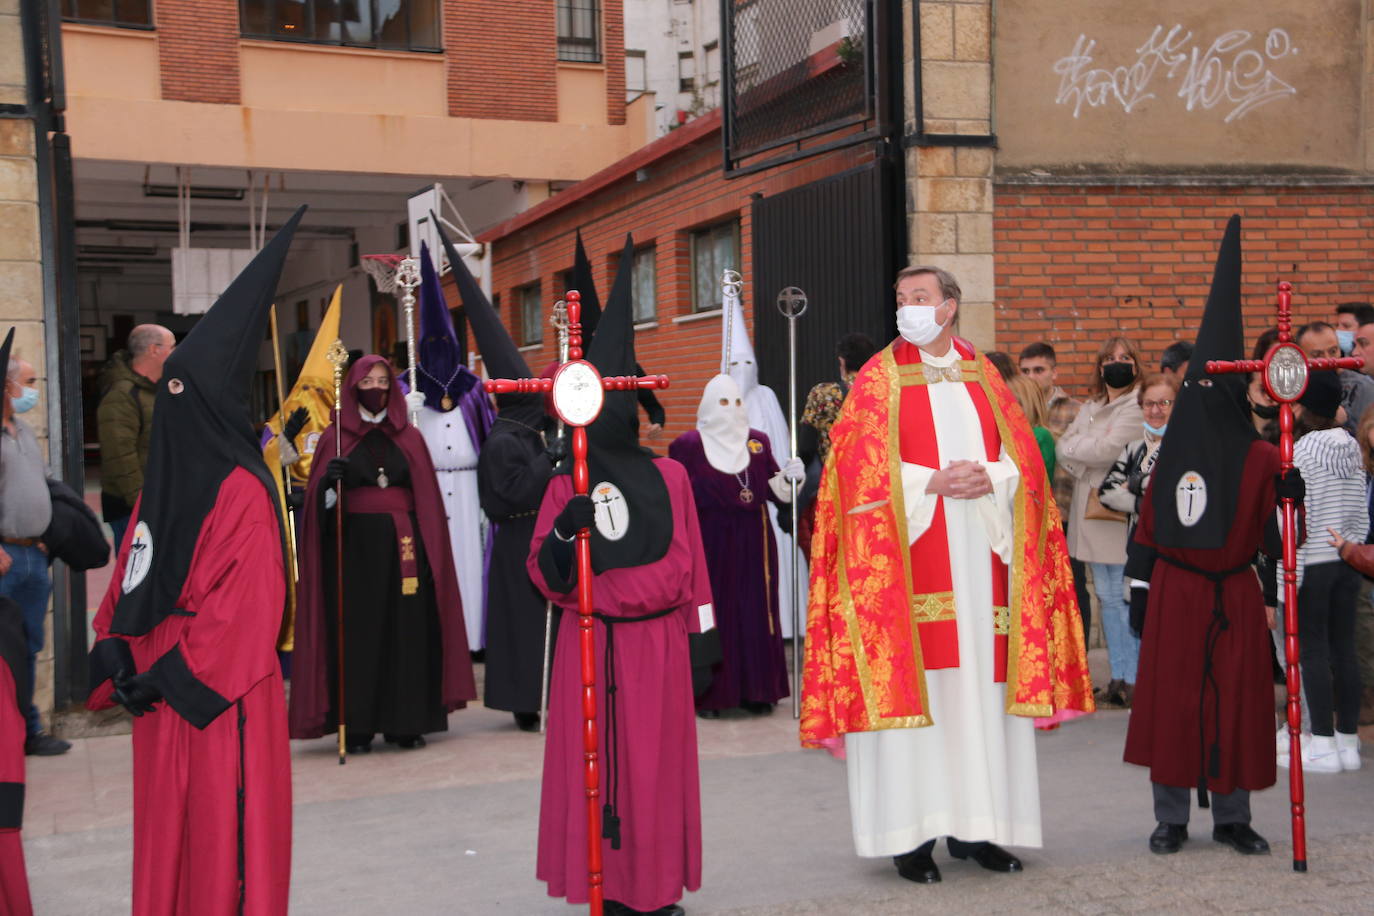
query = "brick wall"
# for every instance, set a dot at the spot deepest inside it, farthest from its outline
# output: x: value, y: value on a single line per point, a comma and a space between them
x: 683, y: 192
x: 1075, y: 265
x: 501, y: 59
x: 198, y: 44
x: 613, y: 53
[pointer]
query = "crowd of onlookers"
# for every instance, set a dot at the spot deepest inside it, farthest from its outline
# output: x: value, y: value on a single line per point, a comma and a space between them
x: 1099, y: 453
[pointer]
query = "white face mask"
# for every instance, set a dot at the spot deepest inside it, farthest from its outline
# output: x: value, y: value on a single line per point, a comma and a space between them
x: 917, y: 324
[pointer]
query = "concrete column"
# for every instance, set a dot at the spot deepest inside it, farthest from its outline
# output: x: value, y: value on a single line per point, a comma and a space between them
x: 949, y: 188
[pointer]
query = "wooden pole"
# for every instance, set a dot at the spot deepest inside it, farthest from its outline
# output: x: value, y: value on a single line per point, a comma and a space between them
x: 338, y: 356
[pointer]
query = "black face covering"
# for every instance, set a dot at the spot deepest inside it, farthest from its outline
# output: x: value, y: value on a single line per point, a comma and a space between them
x: 1265, y: 411
x: 1118, y: 375
x: 373, y: 399
x: 202, y: 431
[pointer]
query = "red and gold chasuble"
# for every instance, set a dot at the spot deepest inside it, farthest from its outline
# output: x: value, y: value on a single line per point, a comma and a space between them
x: 882, y: 613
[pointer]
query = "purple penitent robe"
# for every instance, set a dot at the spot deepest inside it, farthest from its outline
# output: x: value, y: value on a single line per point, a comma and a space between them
x: 742, y: 557
x: 659, y: 797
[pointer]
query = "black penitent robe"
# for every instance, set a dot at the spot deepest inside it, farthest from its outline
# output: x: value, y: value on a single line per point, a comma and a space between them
x: 393, y: 654
x: 512, y: 473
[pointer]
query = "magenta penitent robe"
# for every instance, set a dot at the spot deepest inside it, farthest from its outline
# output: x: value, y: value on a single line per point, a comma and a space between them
x: 14, y: 881
x: 659, y: 796
x: 742, y: 555
x: 198, y: 848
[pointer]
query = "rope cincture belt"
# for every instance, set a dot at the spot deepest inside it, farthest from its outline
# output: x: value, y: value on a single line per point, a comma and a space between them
x: 1209, y: 758
x: 610, y: 819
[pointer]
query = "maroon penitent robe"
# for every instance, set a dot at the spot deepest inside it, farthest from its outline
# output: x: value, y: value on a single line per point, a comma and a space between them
x: 1239, y: 713
x: 212, y: 763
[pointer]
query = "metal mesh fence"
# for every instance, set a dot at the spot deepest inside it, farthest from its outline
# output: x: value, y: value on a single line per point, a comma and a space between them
x: 795, y: 69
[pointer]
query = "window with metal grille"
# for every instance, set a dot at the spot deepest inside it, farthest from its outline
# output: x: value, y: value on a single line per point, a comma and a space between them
x: 531, y: 324
x: 579, y: 30
x: 124, y: 14
x: 714, y: 250
x: 395, y: 25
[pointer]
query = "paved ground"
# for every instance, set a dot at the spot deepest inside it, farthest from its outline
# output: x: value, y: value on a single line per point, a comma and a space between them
x: 451, y: 829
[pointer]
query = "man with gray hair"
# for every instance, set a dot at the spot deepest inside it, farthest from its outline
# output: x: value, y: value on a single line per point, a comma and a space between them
x: 942, y: 622
x: 25, y: 511
x: 125, y: 420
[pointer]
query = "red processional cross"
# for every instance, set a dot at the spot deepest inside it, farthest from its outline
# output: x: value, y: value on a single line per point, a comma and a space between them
x: 1285, y: 369
x: 579, y: 392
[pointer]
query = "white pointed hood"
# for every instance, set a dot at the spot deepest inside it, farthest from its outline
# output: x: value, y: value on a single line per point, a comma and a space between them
x: 736, y: 347
x: 724, y: 427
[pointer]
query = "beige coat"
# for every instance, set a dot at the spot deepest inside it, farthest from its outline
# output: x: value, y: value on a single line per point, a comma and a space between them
x: 1087, y: 451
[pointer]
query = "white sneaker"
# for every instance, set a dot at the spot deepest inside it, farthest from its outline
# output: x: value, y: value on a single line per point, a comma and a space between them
x: 1348, y: 751
x: 1318, y: 756
x: 1281, y: 741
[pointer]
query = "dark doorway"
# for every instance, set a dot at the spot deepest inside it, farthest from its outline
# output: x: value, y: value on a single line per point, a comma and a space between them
x: 839, y: 240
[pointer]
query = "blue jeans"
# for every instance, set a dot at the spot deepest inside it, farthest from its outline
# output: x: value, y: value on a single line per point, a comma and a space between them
x: 29, y: 585
x: 1123, y: 646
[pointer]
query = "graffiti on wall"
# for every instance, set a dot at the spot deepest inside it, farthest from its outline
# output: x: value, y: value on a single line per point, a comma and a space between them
x: 1232, y: 75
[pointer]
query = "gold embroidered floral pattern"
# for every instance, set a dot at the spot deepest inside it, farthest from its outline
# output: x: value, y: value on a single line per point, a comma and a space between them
x: 933, y: 607
x: 863, y: 667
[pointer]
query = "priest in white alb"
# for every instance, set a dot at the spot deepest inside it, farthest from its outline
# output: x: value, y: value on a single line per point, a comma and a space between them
x: 942, y: 626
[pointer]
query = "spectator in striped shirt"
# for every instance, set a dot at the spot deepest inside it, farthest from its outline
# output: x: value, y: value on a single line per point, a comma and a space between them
x: 1330, y: 462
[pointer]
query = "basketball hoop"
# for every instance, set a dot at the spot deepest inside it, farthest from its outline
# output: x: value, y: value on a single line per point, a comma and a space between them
x: 382, y: 269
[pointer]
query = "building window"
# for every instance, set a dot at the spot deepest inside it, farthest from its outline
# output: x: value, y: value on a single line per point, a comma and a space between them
x: 714, y: 250
x: 636, y: 73
x: 579, y: 30
x: 125, y: 14
x: 643, y: 283
x: 531, y: 315
x: 686, y: 72
x: 396, y: 25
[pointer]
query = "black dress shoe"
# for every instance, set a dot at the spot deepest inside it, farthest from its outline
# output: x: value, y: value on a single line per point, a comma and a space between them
x: 45, y: 745
x: 1168, y: 838
x: 616, y: 908
x: 988, y: 855
x: 758, y: 709
x: 527, y: 721
x: 1242, y: 838
x: 359, y: 748
x: 709, y: 713
x: 406, y: 742
x: 917, y: 866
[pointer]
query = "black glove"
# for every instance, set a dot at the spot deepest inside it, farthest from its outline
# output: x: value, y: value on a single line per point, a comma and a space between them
x: 576, y: 515
x: 1290, y: 486
x: 335, y: 470
x: 295, y: 500
x: 1135, y: 483
x: 136, y: 693
x: 294, y: 424
x: 557, y: 449
x: 1140, y: 599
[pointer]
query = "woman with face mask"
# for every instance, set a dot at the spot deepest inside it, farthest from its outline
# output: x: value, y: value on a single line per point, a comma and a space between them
x: 1097, y: 535
x: 1129, y: 478
x: 406, y: 659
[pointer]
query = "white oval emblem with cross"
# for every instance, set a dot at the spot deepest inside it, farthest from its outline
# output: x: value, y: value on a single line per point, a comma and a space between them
x: 140, y: 558
x: 612, y: 512
x: 1191, y: 498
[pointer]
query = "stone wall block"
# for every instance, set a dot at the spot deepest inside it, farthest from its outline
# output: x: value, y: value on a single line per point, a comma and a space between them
x: 973, y: 162
x: 972, y: 32
x: 18, y: 231
x: 975, y: 233
x: 21, y: 290
x: 937, y: 233
x: 953, y: 195
x: 956, y: 90
x: 937, y: 31
x: 16, y: 137
x: 18, y: 178
x: 935, y: 162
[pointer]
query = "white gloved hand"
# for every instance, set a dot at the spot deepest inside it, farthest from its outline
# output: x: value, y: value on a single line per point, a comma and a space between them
x: 793, y: 470
x: 414, y: 401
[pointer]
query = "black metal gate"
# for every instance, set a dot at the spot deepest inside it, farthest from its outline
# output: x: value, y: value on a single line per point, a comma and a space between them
x: 839, y: 240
